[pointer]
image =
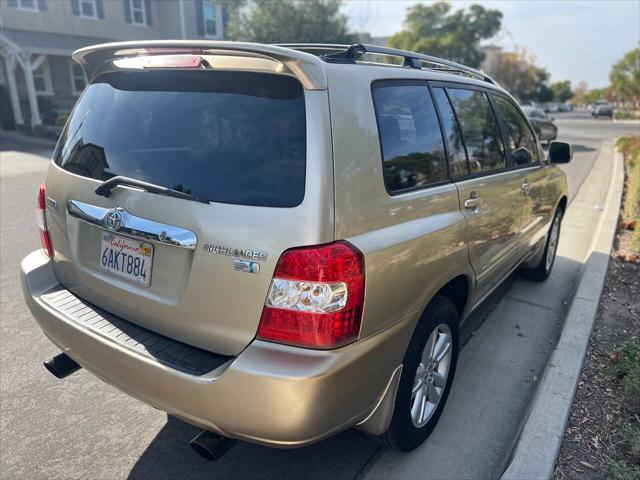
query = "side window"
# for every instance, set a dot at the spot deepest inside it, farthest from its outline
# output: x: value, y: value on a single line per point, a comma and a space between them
x: 520, y: 139
x: 479, y: 129
x: 412, y: 147
x: 457, y: 154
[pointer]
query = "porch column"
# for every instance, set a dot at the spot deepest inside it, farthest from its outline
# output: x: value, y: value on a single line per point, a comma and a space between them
x: 10, y: 67
x: 27, y: 68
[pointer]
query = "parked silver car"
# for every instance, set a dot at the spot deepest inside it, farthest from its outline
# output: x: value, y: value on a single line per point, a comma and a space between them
x: 277, y: 243
x: 602, y: 110
x: 542, y: 124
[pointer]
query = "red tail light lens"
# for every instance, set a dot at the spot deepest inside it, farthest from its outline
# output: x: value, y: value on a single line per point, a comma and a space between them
x: 316, y: 297
x: 41, y: 219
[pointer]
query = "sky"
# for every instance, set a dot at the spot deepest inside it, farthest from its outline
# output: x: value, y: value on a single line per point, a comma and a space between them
x: 574, y: 40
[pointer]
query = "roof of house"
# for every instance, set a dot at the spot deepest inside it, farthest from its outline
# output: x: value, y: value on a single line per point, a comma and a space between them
x: 46, y: 43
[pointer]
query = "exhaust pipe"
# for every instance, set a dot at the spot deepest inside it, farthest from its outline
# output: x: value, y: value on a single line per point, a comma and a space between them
x: 211, y: 446
x: 62, y: 365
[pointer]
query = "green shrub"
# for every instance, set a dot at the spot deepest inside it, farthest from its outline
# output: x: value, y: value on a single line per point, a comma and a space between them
x: 630, y: 148
x: 621, y: 471
x: 626, y: 368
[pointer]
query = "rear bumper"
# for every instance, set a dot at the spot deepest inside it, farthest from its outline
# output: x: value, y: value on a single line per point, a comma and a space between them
x: 271, y: 394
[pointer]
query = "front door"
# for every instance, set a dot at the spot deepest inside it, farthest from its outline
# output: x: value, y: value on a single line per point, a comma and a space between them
x: 492, y: 206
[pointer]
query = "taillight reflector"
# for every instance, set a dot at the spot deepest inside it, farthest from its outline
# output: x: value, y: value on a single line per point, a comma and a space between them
x: 41, y: 219
x: 316, y: 297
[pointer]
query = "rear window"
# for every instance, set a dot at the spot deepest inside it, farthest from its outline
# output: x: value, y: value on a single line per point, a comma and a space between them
x: 229, y: 137
x: 410, y: 137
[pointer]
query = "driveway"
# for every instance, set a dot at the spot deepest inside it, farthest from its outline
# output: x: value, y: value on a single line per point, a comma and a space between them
x: 83, y: 428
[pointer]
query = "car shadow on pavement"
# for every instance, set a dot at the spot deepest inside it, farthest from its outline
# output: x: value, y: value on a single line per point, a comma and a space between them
x: 581, y: 148
x: 169, y: 456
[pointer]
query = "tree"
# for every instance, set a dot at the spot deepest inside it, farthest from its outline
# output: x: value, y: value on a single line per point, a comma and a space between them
x: 596, y: 94
x: 290, y: 21
x: 625, y: 76
x: 542, y: 92
x: 579, y: 93
x: 517, y: 73
x: 561, y: 91
x: 436, y: 30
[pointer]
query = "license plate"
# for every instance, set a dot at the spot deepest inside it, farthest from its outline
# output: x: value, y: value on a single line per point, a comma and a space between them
x: 126, y: 257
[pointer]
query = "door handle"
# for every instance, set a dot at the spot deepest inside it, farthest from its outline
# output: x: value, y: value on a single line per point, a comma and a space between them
x: 474, y: 201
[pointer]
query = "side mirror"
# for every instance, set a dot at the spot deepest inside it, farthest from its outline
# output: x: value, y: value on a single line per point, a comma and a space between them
x: 521, y: 156
x: 560, y: 152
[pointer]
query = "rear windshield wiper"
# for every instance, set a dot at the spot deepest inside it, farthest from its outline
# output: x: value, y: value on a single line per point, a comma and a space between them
x: 105, y: 188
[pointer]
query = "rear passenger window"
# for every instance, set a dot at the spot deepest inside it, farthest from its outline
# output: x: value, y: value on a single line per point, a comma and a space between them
x: 520, y: 139
x: 457, y: 155
x: 412, y: 147
x: 479, y: 129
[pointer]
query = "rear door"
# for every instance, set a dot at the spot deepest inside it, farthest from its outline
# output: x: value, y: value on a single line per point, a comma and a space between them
x: 489, y: 193
x: 235, y: 144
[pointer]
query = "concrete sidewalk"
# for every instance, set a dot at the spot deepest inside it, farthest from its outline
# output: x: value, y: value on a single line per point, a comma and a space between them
x: 498, y: 371
x: 541, y: 437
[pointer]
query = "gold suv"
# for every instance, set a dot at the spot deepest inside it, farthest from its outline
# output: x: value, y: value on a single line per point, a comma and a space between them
x: 277, y: 243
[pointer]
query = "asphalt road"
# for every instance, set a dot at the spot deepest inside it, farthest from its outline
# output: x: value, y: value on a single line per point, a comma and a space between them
x: 83, y: 428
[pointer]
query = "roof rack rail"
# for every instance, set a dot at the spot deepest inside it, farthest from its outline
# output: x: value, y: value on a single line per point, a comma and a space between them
x: 352, y: 53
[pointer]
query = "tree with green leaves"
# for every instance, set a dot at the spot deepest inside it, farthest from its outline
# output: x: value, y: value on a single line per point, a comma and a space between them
x: 561, y: 91
x: 455, y: 35
x: 290, y: 21
x: 625, y: 76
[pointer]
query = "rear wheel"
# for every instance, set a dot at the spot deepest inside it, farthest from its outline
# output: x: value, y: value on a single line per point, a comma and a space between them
x: 542, y: 269
x: 428, y: 369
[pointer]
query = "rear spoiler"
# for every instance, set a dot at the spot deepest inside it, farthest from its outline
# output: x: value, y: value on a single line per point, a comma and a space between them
x: 306, y: 67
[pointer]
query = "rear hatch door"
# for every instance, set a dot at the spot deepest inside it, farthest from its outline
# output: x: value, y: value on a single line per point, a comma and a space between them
x: 234, y: 145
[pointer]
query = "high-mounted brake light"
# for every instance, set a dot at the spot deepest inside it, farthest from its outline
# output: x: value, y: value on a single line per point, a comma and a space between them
x: 160, y: 61
x: 316, y: 297
x: 127, y: 52
x: 41, y: 219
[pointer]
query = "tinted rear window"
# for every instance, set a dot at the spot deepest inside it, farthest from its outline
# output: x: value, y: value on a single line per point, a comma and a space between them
x: 411, y: 140
x: 230, y: 137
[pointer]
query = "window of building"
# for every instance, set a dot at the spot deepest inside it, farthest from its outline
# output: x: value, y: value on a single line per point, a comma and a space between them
x: 209, y: 16
x: 78, y: 81
x: 479, y: 128
x: 31, y: 5
x: 138, y: 13
x: 88, y: 8
x: 410, y: 138
x: 519, y: 137
x: 457, y: 154
x: 42, y: 79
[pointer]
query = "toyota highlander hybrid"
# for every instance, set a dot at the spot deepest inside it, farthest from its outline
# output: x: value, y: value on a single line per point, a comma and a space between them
x: 277, y: 243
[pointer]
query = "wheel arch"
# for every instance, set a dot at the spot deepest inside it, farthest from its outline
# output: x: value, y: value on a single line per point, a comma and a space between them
x: 562, y: 203
x: 458, y: 289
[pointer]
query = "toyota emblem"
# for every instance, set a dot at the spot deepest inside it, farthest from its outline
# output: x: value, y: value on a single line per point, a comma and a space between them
x: 113, y: 220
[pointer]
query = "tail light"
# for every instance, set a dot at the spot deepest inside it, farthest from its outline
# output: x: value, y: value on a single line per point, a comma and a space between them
x: 316, y: 297
x: 41, y: 219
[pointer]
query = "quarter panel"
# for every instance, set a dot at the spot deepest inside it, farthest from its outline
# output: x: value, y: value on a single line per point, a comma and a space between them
x: 413, y: 243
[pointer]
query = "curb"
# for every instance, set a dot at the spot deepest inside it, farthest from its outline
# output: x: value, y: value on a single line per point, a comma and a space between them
x: 541, y: 436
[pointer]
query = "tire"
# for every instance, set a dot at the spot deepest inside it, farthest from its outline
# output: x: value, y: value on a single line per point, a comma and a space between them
x: 541, y: 271
x: 404, y: 433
